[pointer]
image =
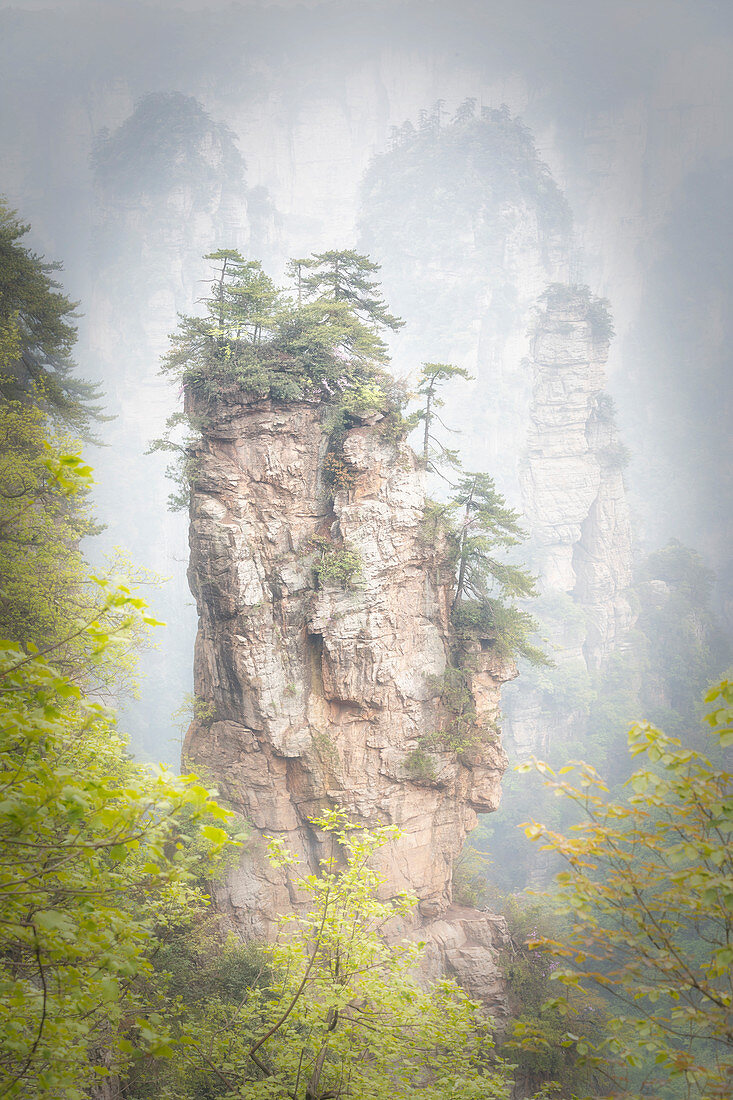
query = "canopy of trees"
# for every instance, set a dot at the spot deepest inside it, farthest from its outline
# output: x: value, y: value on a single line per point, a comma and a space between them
x: 334, y: 1011
x: 255, y: 336
x: 99, y: 853
x: 649, y: 890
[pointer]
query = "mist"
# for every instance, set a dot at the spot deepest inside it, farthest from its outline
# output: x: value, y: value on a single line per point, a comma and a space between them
x: 139, y: 136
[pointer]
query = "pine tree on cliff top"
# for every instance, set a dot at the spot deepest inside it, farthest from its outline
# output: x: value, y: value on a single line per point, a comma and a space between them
x: 344, y: 276
x: 253, y: 334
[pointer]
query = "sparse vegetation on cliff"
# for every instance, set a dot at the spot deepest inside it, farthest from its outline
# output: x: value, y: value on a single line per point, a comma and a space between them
x: 482, y: 527
x: 596, y: 311
x: 432, y: 377
x: 340, y: 565
x: 420, y: 765
x: 325, y: 345
x: 458, y: 730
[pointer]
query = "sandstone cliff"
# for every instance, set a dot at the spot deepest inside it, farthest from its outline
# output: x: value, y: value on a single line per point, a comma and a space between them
x: 577, y: 513
x: 311, y: 693
x: 572, y: 481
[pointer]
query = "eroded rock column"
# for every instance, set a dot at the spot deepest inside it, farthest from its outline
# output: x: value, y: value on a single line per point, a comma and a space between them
x: 312, y: 694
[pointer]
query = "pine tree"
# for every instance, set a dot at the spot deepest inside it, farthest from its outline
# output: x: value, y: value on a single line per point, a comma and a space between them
x: 486, y: 525
x: 432, y: 376
x: 41, y: 318
x: 344, y: 276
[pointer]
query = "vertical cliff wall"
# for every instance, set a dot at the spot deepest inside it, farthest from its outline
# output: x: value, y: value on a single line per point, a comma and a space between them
x: 577, y: 514
x: 501, y: 261
x: 571, y: 475
x: 311, y: 693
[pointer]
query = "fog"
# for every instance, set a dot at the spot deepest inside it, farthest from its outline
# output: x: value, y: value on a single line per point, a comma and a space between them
x: 629, y: 106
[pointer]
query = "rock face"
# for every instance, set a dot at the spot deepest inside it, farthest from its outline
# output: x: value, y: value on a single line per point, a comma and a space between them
x: 313, y: 694
x: 571, y: 478
x: 574, y: 500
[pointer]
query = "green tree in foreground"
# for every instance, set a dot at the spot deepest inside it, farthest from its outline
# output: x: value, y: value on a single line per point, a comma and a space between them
x: 95, y: 863
x: 37, y: 321
x: 340, y: 1014
x: 98, y: 854
x: 650, y: 892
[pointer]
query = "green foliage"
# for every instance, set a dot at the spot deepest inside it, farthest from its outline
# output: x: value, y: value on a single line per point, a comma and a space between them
x: 254, y: 337
x: 344, y: 277
x: 484, y: 525
x: 649, y: 887
x: 244, y: 300
x: 340, y: 1013
x: 420, y: 765
x: 197, y: 972
x: 605, y: 408
x: 96, y: 859
x: 337, y: 474
x: 560, y: 296
x: 459, y: 729
x: 432, y: 377
x: 469, y: 878
x: 364, y: 400
x: 182, y: 440
x: 326, y: 751
x: 39, y: 530
x: 435, y: 519
x: 682, y: 570
x: 600, y: 320
x: 614, y: 456
x: 338, y: 565
x: 99, y: 854
x: 537, y: 1041
x: 505, y: 627
x: 37, y: 333
x: 676, y: 649
x: 48, y: 600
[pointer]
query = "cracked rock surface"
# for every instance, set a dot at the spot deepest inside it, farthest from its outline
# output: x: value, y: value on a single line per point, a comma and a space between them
x: 310, y: 694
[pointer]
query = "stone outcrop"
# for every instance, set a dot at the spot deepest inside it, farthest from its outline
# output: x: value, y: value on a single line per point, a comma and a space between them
x: 311, y: 693
x: 571, y: 478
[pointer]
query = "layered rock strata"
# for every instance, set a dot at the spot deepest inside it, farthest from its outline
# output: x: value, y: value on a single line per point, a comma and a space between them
x: 572, y: 481
x: 311, y: 693
x: 574, y: 501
